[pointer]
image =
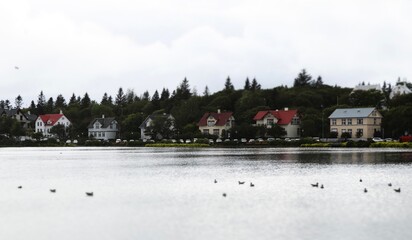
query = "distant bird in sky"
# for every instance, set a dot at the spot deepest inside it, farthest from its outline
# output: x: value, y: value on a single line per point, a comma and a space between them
x: 90, y: 194
x: 16, y: 67
x: 315, y: 185
x: 397, y: 190
x: 241, y: 182
x: 53, y: 190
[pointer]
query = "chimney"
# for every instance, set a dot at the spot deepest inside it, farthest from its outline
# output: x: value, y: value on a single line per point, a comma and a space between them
x: 286, y: 109
x: 102, y: 115
x: 218, y: 111
x: 61, y: 112
x: 28, y: 113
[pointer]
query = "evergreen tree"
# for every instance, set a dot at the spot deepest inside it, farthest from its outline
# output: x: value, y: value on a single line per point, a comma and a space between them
x: 183, y: 91
x: 319, y: 82
x: 32, y: 108
x: 303, y: 79
x: 120, y: 98
x: 247, y: 84
x: 105, y: 100
x: 73, y: 100
x: 228, y: 85
x: 164, y: 95
x: 156, y: 100
x: 49, y: 105
x: 18, y: 102
x: 41, y: 103
x: 146, y: 96
x: 255, y: 85
x: 206, y: 92
x: 85, y: 102
x: 130, y: 96
x: 60, y: 102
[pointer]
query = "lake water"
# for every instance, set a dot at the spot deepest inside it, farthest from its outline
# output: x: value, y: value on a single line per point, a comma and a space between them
x: 146, y: 193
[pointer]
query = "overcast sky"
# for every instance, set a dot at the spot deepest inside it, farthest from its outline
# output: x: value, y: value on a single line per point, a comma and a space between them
x: 97, y: 46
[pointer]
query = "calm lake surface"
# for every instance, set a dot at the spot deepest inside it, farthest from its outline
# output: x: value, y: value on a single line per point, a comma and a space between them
x: 152, y: 193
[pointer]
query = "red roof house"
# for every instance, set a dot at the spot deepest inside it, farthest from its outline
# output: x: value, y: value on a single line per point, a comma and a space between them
x: 287, y: 119
x: 216, y: 123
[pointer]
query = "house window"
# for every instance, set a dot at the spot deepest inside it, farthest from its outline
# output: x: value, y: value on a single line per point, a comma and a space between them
x: 206, y: 131
x: 111, y: 126
x: 359, y: 132
x: 210, y: 123
x: 343, y: 121
x: 350, y: 132
x: 349, y: 121
x: 333, y: 122
x: 269, y: 122
x: 374, y: 121
x: 334, y: 130
x: 360, y: 121
x: 103, y: 134
x: 343, y: 130
x: 295, y: 121
x: 216, y: 132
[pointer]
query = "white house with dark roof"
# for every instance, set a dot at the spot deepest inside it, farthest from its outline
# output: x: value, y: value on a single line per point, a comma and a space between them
x: 358, y: 122
x: 103, y: 128
x: 400, y: 89
x: 17, y: 114
x: 149, y: 122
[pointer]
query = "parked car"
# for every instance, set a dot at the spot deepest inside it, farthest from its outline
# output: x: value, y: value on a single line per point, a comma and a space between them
x: 388, y: 140
x: 188, y: 141
x: 218, y: 140
x: 271, y: 139
x: 211, y: 141
x: 377, y: 139
x: 243, y: 140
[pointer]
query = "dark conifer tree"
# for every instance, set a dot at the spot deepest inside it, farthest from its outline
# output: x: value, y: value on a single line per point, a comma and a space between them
x: 60, y: 102
x: 18, y: 102
x: 164, y: 95
x: 303, y: 79
x: 247, y: 84
x: 41, y: 103
x: 85, y: 102
x: 228, y: 85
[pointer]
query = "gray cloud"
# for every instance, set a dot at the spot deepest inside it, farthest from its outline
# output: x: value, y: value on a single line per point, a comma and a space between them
x: 98, y: 46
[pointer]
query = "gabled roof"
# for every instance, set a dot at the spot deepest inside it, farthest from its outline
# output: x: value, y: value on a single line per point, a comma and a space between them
x: 104, y: 122
x: 351, y: 112
x: 11, y: 112
x: 50, y: 119
x: 221, y: 118
x: 284, y: 117
x: 154, y: 116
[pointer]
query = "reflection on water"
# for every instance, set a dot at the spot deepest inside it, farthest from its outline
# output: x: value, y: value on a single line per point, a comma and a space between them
x: 150, y: 193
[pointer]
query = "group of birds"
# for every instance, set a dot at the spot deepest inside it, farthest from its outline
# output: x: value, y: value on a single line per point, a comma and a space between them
x: 240, y: 183
x: 365, y: 190
x: 90, y: 194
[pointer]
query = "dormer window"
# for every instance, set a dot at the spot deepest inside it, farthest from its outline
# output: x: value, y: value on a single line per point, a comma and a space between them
x: 210, y: 122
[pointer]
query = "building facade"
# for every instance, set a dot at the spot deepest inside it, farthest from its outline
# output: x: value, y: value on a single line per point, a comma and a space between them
x: 287, y: 119
x: 164, y: 119
x: 216, y: 123
x: 358, y: 122
x: 45, y: 122
x: 103, y: 128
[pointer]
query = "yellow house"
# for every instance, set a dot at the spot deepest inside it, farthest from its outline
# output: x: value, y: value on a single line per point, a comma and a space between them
x: 358, y: 122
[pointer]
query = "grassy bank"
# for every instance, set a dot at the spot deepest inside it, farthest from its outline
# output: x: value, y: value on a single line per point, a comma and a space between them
x: 191, y: 145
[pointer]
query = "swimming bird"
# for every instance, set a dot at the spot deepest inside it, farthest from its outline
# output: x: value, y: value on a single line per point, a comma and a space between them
x: 390, y: 184
x: 19, y: 187
x: 321, y: 186
x: 224, y: 194
x: 53, y: 190
x: 240, y: 183
x: 215, y: 181
x: 252, y: 185
x: 397, y: 190
x: 89, y: 194
x: 15, y: 67
x: 315, y: 185
x: 365, y: 190
x: 360, y: 180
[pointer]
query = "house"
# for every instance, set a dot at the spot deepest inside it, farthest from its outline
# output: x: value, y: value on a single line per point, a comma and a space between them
x: 45, y: 122
x: 216, y: 123
x: 151, y: 120
x: 358, y: 122
x: 400, y: 89
x: 17, y: 114
x: 363, y: 87
x: 103, y: 128
x: 288, y: 119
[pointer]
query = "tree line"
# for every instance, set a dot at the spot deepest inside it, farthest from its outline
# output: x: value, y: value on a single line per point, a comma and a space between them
x: 313, y: 99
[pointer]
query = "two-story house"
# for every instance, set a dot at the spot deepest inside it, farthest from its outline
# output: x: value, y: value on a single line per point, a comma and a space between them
x: 358, y: 122
x: 288, y: 119
x: 17, y: 114
x: 216, y: 123
x: 166, y: 120
x: 45, y: 122
x: 103, y: 128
